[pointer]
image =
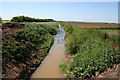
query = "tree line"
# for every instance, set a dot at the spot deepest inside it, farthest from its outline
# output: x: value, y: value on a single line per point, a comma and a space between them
x: 0, y: 19
x: 29, y: 19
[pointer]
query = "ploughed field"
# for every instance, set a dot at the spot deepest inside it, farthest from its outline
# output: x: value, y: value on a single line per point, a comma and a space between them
x: 92, y: 25
x: 110, y: 28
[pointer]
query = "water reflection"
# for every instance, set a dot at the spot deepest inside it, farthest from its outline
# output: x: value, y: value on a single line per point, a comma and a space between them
x: 59, y: 38
x: 49, y: 68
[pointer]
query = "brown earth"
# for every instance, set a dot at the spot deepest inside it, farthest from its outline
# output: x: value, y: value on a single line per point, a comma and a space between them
x: 115, y: 32
x: 16, y: 69
x: 19, y: 70
x: 113, y: 72
x: 110, y: 73
x: 97, y: 25
x: 92, y: 25
x: 11, y: 28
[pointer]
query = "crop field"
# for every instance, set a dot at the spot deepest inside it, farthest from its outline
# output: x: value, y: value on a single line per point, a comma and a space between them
x: 63, y: 40
x: 77, y: 50
x: 5, y: 21
x: 110, y: 28
x: 93, y: 25
x: 25, y: 45
x: 93, y: 52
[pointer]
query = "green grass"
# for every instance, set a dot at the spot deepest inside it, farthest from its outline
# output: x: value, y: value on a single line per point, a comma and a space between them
x: 51, y: 27
x: 92, y: 49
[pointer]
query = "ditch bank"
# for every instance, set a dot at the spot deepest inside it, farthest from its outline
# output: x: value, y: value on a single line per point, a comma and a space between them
x: 24, y: 50
x: 91, y: 54
x: 50, y: 67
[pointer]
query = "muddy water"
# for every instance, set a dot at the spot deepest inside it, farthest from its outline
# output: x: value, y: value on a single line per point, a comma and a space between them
x: 49, y: 68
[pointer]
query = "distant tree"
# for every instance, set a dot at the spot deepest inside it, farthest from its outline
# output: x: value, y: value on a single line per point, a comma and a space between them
x: 0, y: 20
x: 29, y: 19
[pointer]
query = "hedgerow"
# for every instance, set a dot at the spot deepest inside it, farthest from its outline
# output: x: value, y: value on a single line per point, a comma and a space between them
x: 29, y: 19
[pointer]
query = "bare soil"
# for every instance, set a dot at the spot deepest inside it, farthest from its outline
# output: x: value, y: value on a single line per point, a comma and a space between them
x: 110, y: 73
x: 115, y: 32
x: 16, y: 69
x: 11, y: 28
x: 92, y: 25
x: 97, y: 25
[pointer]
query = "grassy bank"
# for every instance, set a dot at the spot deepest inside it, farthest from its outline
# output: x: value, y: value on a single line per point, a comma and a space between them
x: 28, y: 47
x: 93, y: 51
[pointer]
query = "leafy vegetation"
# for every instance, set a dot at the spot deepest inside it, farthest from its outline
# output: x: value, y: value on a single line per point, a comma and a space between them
x: 29, y: 19
x: 0, y: 19
x: 51, y: 27
x: 24, y: 46
x: 33, y: 37
x: 0, y: 22
x: 92, y: 52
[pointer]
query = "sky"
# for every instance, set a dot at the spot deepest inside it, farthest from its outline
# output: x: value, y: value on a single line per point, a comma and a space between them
x: 59, y: 0
x: 63, y: 11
